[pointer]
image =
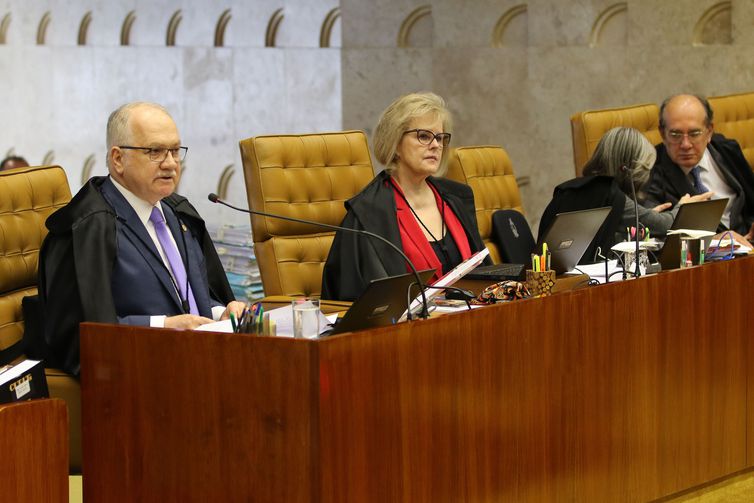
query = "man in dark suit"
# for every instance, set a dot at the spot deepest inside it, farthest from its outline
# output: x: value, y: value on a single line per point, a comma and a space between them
x: 127, y: 249
x: 692, y: 159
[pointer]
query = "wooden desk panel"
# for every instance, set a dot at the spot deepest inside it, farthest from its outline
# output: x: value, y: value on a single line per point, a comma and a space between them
x: 177, y: 416
x: 574, y: 397
x: 34, y: 451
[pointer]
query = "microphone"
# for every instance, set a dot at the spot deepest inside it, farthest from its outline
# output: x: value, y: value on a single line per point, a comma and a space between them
x: 425, y: 308
x: 626, y: 169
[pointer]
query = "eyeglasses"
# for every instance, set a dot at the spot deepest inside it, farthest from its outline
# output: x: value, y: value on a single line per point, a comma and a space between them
x: 159, y: 154
x: 426, y: 136
x: 695, y: 136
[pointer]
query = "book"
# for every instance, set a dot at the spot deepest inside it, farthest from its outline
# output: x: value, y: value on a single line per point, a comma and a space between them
x: 23, y: 381
x: 451, y: 277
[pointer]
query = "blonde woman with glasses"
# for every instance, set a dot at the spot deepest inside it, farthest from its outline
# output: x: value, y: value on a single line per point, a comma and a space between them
x: 431, y: 219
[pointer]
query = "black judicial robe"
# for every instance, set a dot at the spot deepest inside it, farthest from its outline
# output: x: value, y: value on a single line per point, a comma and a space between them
x: 355, y: 260
x: 81, y: 250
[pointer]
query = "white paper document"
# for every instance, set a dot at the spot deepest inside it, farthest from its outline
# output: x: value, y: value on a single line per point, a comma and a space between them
x: 691, y: 233
x: 630, y: 246
x: 282, y: 316
x: 217, y: 326
x: 597, y: 271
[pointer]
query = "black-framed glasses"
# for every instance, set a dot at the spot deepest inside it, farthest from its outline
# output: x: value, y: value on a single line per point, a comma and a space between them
x: 425, y: 136
x: 695, y: 136
x: 159, y: 154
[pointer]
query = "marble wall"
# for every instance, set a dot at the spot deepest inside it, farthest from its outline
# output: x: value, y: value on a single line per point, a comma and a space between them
x: 56, y: 97
x: 512, y: 71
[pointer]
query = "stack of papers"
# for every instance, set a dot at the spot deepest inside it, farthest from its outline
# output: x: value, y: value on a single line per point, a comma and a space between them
x: 630, y: 246
x: 719, y: 248
x: 691, y: 233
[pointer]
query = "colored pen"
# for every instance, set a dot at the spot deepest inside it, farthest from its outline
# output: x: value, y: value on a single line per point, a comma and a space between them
x: 260, y: 319
x: 252, y: 323
x: 233, y: 322
x: 544, y: 257
x: 242, y: 319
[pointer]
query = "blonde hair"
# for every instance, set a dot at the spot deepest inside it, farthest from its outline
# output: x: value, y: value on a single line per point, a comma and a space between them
x: 395, y: 120
x: 622, y: 146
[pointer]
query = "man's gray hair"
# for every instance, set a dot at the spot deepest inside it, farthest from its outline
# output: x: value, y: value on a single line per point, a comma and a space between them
x: 118, y: 132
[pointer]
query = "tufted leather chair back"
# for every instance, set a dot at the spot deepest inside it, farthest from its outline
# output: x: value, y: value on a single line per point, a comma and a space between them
x: 588, y: 127
x: 734, y: 118
x: 27, y: 197
x: 489, y: 173
x: 303, y: 176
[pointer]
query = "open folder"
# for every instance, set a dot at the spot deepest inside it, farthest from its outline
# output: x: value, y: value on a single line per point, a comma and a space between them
x: 453, y: 275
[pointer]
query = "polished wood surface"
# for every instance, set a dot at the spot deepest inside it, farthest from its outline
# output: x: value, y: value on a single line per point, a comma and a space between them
x: 623, y: 392
x: 34, y: 451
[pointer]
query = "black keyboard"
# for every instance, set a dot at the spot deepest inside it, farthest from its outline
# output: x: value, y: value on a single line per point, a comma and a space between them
x: 498, y: 272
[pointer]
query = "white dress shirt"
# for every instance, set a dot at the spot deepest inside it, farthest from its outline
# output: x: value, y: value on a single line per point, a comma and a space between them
x: 714, y: 180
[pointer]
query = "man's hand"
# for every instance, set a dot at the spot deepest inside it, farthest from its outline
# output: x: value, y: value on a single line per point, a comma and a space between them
x: 186, y: 321
x: 695, y: 199
x: 662, y: 207
x: 234, y: 307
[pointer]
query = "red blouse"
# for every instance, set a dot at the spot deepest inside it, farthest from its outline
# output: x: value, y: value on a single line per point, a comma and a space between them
x: 415, y: 245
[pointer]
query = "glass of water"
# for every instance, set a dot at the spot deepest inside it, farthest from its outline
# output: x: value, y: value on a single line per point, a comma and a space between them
x: 305, y: 318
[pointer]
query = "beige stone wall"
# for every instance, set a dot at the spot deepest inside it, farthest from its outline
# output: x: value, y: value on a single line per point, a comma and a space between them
x: 55, y: 96
x: 513, y: 72
x: 555, y: 58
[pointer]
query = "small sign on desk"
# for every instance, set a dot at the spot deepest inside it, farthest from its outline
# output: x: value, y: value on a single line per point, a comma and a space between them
x: 23, y: 381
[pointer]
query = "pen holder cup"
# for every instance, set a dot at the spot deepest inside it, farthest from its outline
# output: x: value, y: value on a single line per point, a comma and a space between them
x: 540, y: 283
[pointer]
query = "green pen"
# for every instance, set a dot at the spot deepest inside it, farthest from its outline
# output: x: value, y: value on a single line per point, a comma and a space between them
x: 233, y: 322
x: 260, y: 320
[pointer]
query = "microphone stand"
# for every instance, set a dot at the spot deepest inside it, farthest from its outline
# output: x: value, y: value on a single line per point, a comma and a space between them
x: 628, y: 170
x: 425, y: 308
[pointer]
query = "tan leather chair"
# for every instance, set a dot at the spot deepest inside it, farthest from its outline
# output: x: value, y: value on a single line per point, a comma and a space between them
x: 489, y: 173
x: 734, y: 118
x: 304, y: 176
x: 588, y: 127
x: 27, y: 197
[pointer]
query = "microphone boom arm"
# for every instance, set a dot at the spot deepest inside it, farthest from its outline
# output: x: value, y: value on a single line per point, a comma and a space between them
x: 425, y: 309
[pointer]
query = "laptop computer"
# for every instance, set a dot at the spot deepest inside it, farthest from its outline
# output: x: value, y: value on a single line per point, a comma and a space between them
x: 570, y: 235
x: 702, y: 215
x: 382, y: 303
x: 498, y: 272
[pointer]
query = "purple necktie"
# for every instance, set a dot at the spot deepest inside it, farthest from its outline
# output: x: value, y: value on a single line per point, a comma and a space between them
x: 174, y: 259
